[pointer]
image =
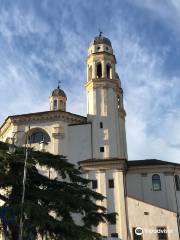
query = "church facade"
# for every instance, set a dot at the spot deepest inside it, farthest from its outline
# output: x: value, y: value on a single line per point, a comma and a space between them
x: 144, y: 193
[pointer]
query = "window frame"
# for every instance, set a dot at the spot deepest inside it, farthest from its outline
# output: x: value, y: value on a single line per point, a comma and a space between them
x: 89, y: 72
x: 34, y: 138
x: 108, y: 70
x: 114, y: 235
x: 111, y: 183
x: 99, y: 70
x: 101, y: 149
x: 177, y: 182
x: 94, y: 184
x: 156, y: 180
x: 55, y: 104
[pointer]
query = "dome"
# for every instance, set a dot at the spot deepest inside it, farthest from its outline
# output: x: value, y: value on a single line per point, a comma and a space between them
x: 101, y: 40
x: 58, y: 92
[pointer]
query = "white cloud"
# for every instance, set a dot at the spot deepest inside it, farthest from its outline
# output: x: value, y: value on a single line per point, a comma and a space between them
x: 166, y: 10
x: 153, y: 115
x: 26, y: 90
x: 15, y: 22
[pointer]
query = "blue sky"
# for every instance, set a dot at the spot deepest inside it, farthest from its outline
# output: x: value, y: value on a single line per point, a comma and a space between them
x: 42, y: 42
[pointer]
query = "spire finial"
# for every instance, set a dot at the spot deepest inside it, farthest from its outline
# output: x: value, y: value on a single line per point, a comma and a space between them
x: 100, y: 33
x: 59, y: 82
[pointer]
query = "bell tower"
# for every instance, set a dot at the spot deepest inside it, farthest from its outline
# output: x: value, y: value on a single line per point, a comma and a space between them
x: 57, y: 100
x: 105, y: 101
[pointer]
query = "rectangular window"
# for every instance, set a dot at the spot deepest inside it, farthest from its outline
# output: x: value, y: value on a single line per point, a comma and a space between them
x: 94, y: 184
x: 137, y: 234
x: 101, y: 124
x: 146, y: 213
x: 111, y: 183
x: 162, y: 233
x: 156, y: 182
x: 101, y: 149
x: 114, y: 235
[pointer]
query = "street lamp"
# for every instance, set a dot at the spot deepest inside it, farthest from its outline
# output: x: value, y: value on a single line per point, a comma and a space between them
x: 43, y: 145
x: 24, y: 187
x: 12, y: 148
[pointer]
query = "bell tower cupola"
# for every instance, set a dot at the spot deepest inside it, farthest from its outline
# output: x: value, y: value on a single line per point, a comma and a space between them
x: 57, y: 100
x: 105, y: 107
x: 101, y: 61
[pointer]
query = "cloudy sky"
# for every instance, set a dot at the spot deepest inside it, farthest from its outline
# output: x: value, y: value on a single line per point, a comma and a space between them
x: 44, y: 41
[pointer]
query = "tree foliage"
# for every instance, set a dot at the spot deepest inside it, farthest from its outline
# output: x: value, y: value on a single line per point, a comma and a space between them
x: 50, y: 203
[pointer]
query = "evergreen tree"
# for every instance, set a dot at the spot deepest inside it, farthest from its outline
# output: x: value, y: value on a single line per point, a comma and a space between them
x: 50, y: 203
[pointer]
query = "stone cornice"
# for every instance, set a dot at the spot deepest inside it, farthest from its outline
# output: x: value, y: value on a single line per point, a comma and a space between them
x: 103, y: 83
x: 42, y: 116
x: 103, y: 164
x: 102, y: 56
x: 122, y: 165
x: 154, y: 169
x: 5, y: 126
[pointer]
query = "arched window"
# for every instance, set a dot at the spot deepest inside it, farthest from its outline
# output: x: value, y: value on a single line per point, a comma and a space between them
x: 99, y: 70
x: 177, y: 182
x: 156, y: 182
x: 38, y: 136
x: 55, y: 104
x: 90, y: 73
x: 108, y: 71
x: 61, y: 103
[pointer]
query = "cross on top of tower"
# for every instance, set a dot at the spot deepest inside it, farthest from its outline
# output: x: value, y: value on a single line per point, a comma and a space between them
x: 59, y: 82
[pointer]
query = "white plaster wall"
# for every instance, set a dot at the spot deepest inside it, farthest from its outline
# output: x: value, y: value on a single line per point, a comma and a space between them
x: 157, y: 217
x: 9, y: 134
x: 114, y: 201
x: 79, y: 143
x: 91, y: 107
x: 57, y: 145
x: 103, y: 107
x: 72, y: 141
x: 134, y: 185
x: 140, y: 186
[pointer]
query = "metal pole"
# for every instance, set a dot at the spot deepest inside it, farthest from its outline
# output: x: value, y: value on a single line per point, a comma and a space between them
x: 177, y: 206
x: 24, y: 189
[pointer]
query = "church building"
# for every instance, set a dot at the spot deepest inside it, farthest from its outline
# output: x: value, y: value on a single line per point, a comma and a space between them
x: 144, y: 193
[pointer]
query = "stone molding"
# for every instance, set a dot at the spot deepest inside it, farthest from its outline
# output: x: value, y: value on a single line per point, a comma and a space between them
x: 103, y: 164
x: 167, y: 169
x: 58, y: 135
x: 41, y: 116
x: 103, y: 83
